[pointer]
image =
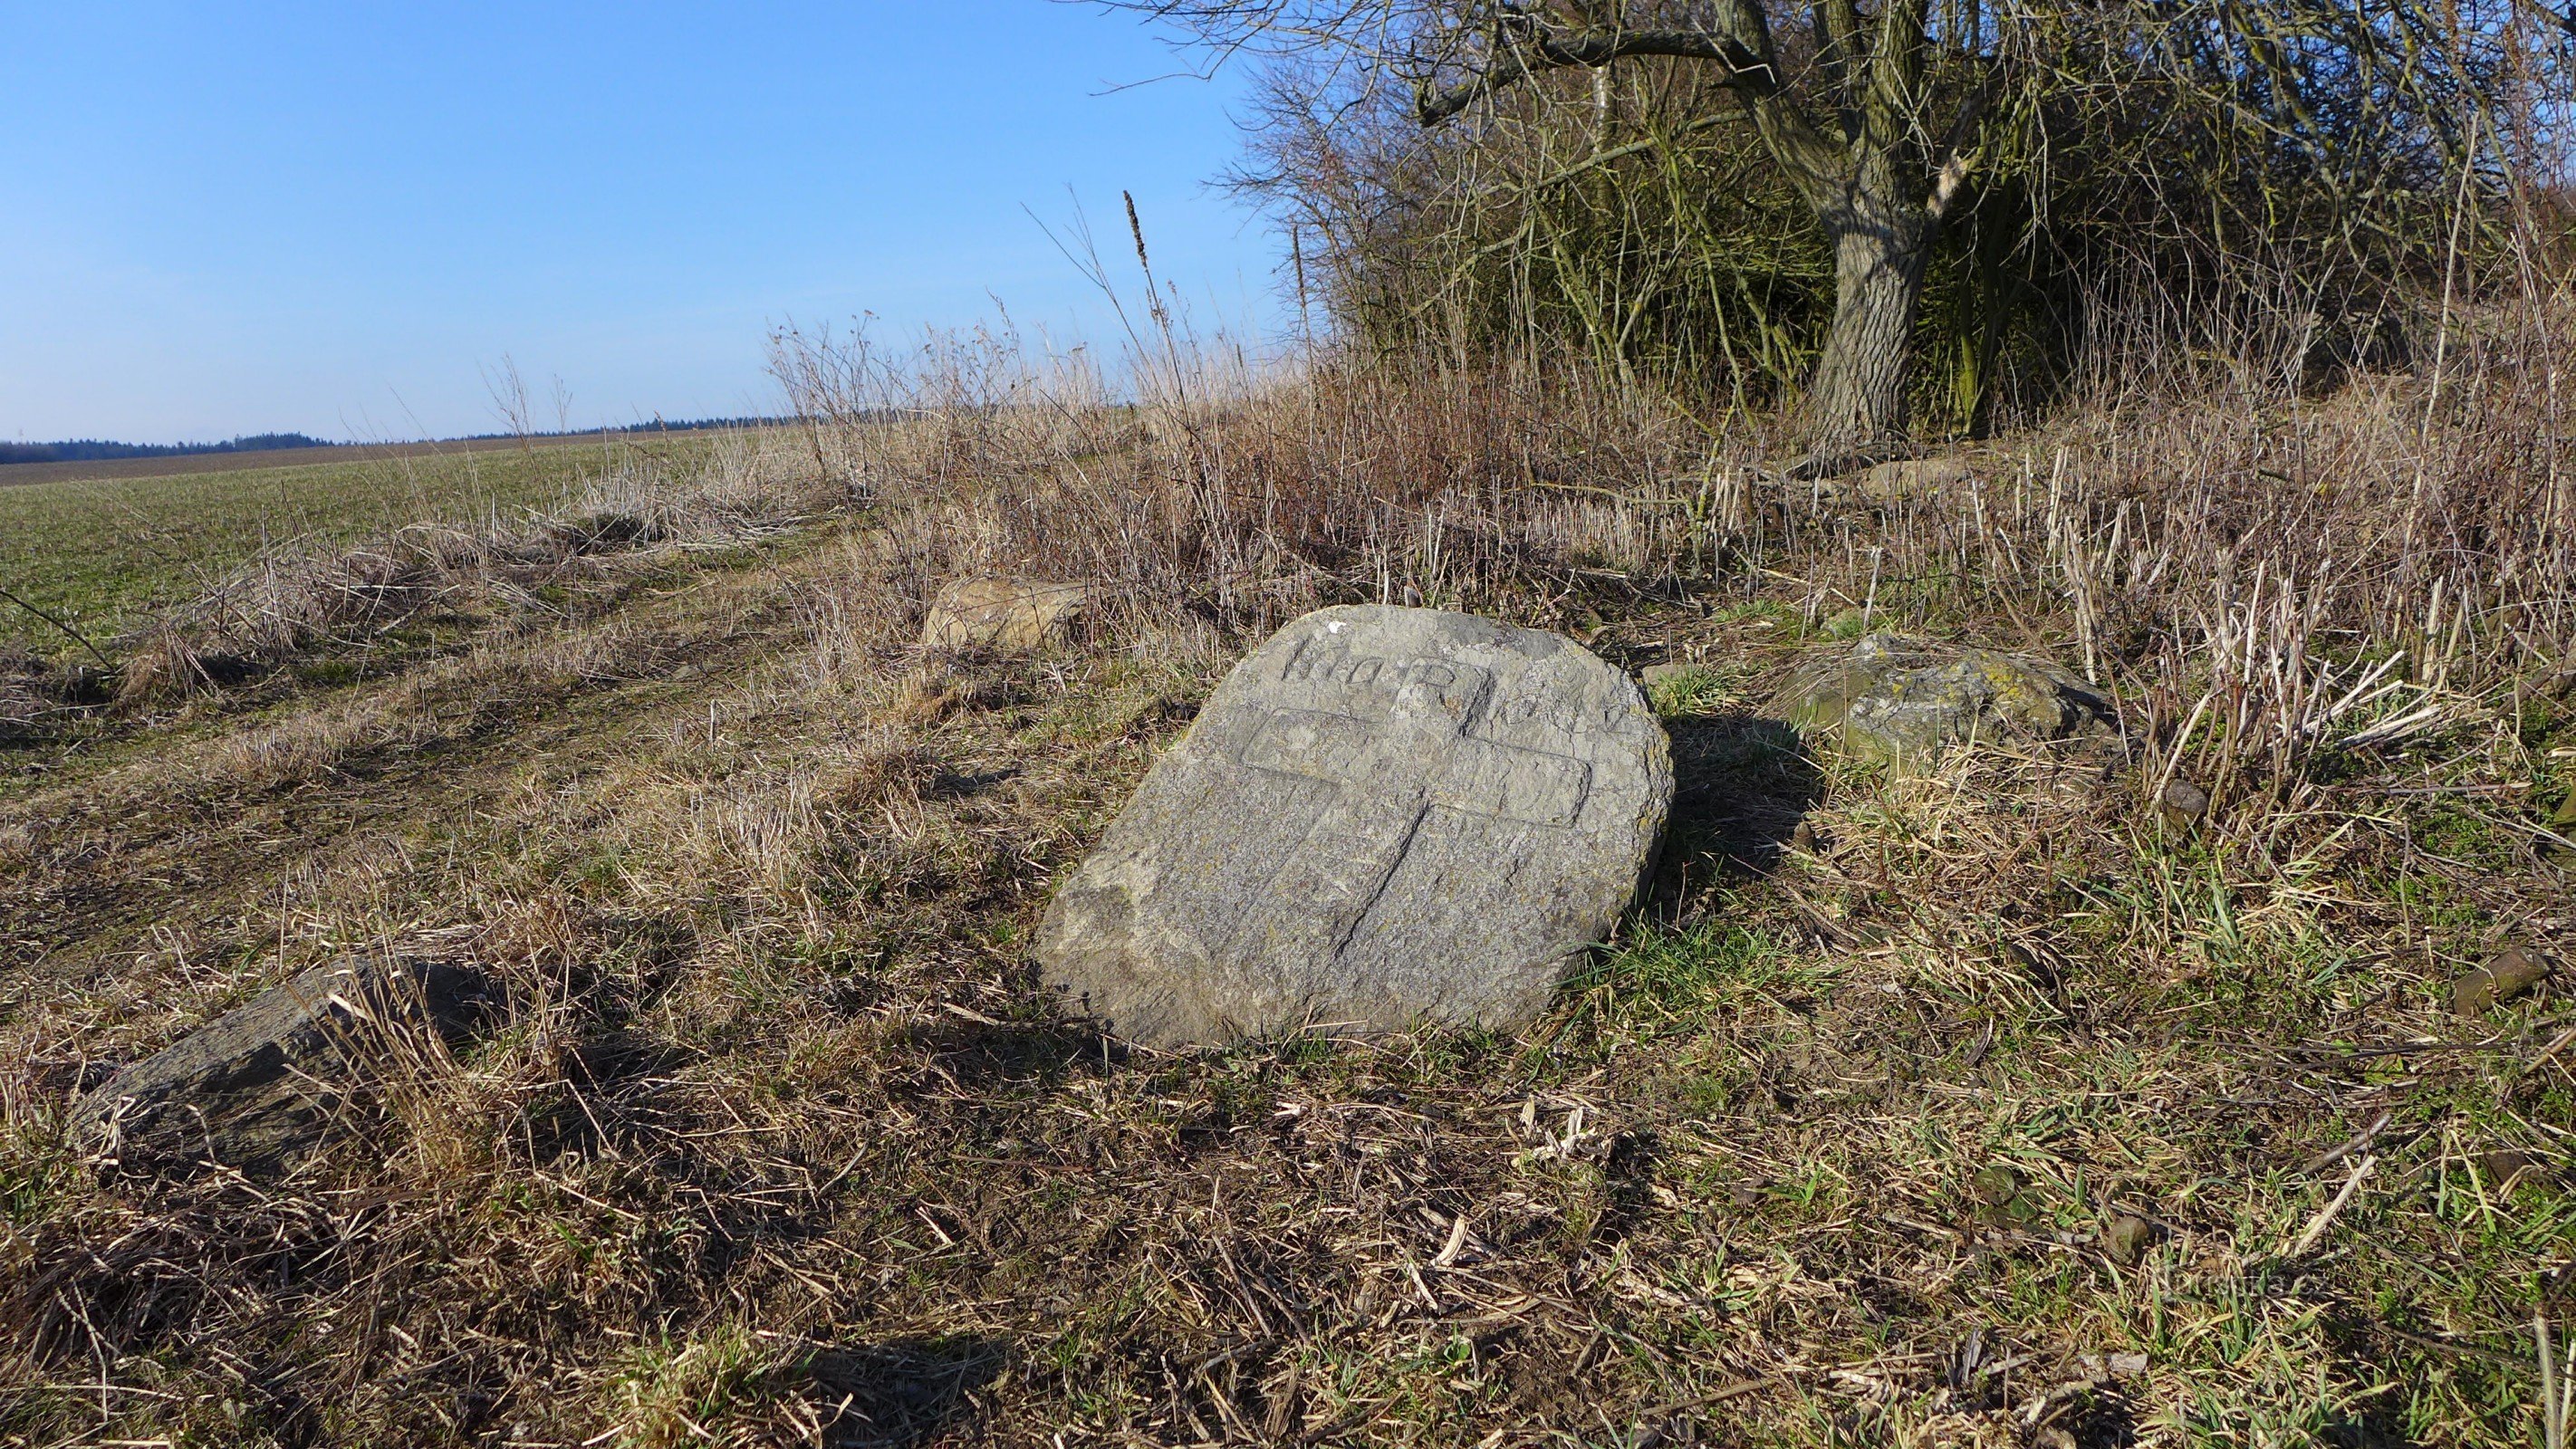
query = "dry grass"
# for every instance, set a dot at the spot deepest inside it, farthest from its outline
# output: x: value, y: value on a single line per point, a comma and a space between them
x: 782, y: 1143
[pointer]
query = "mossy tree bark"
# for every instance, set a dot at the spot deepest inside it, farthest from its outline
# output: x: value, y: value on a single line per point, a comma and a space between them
x: 1878, y: 197
x: 1857, y: 399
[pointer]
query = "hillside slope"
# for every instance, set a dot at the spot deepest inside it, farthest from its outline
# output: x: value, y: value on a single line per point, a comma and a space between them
x: 1842, y: 1140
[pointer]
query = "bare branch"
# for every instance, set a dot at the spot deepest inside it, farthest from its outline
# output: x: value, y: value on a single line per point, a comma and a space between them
x: 1526, y: 47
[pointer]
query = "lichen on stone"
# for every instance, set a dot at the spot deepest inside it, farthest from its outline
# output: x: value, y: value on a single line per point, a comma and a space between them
x: 1900, y: 700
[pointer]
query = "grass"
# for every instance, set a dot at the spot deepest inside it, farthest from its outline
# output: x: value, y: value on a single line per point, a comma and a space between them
x: 104, y: 555
x: 1835, y: 1143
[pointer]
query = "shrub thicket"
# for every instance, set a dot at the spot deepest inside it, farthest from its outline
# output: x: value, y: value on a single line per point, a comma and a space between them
x: 2276, y: 183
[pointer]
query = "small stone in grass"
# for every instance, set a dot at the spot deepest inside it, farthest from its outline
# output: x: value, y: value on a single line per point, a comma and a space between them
x: 2515, y: 970
x: 1912, y: 480
x: 1996, y: 1185
x: 256, y: 1086
x: 2182, y: 804
x: 2127, y: 1238
x: 2506, y: 1168
x: 1673, y: 675
x: 1012, y: 615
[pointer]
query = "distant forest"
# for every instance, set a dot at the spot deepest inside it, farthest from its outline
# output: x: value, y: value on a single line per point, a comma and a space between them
x: 93, y: 450
x: 657, y: 425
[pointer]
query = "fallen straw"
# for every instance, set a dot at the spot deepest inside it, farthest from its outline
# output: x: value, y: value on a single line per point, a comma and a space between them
x: 2326, y: 1215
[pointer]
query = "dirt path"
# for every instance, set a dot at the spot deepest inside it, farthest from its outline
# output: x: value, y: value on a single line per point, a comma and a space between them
x: 190, y: 829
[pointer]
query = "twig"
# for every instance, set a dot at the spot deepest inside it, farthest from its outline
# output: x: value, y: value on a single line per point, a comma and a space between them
x: 2525, y: 826
x: 1734, y: 1390
x: 2551, y: 1050
x: 2553, y: 1408
x: 2337, y: 1051
x: 1457, y: 1241
x: 2326, y: 1215
x: 77, y: 636
x: 2449, y: 1345
x: 2358, y: 1141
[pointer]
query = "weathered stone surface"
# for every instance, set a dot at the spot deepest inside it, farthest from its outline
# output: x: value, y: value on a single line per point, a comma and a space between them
x: 2128, y: 1238
x: 2507, y: 1168
x: 999, y: 613
x: 2182, y: 804
x: 253, y: 1084
x: 2515, y: 970
x: 1383, y: 816
x: 1908, y: 480
x: 1888, y: 697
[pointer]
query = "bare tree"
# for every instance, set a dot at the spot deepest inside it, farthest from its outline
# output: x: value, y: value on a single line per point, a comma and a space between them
x: 1881, y: 116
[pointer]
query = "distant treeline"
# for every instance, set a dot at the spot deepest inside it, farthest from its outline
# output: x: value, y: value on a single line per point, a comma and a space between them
x: 657, y: 425
x: 92, y: 450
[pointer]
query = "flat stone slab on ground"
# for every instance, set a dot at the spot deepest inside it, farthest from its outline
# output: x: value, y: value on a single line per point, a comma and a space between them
x: 1908, y: 480
x: 1902, y: 700
x: 1013, y: 615
x: 251, y: 1084
x: 1382, y: 817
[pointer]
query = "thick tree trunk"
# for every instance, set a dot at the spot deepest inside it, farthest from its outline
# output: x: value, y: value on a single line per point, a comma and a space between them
x: 1857, y: 401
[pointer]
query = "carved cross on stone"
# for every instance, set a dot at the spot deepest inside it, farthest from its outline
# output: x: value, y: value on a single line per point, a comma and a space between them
x: 1358, y: 839
x: 1384, y: 815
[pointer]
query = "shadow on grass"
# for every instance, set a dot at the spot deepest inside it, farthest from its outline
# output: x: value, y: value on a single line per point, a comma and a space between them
x: 976, y: 1057
x: 1741, y: 786
x: 901, y: 1393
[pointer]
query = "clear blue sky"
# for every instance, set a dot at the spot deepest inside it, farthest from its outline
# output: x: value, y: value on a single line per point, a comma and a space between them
x: 225, y: 218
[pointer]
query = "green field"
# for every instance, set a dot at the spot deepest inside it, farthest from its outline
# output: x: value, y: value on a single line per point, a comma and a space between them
x: 101, y: 554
